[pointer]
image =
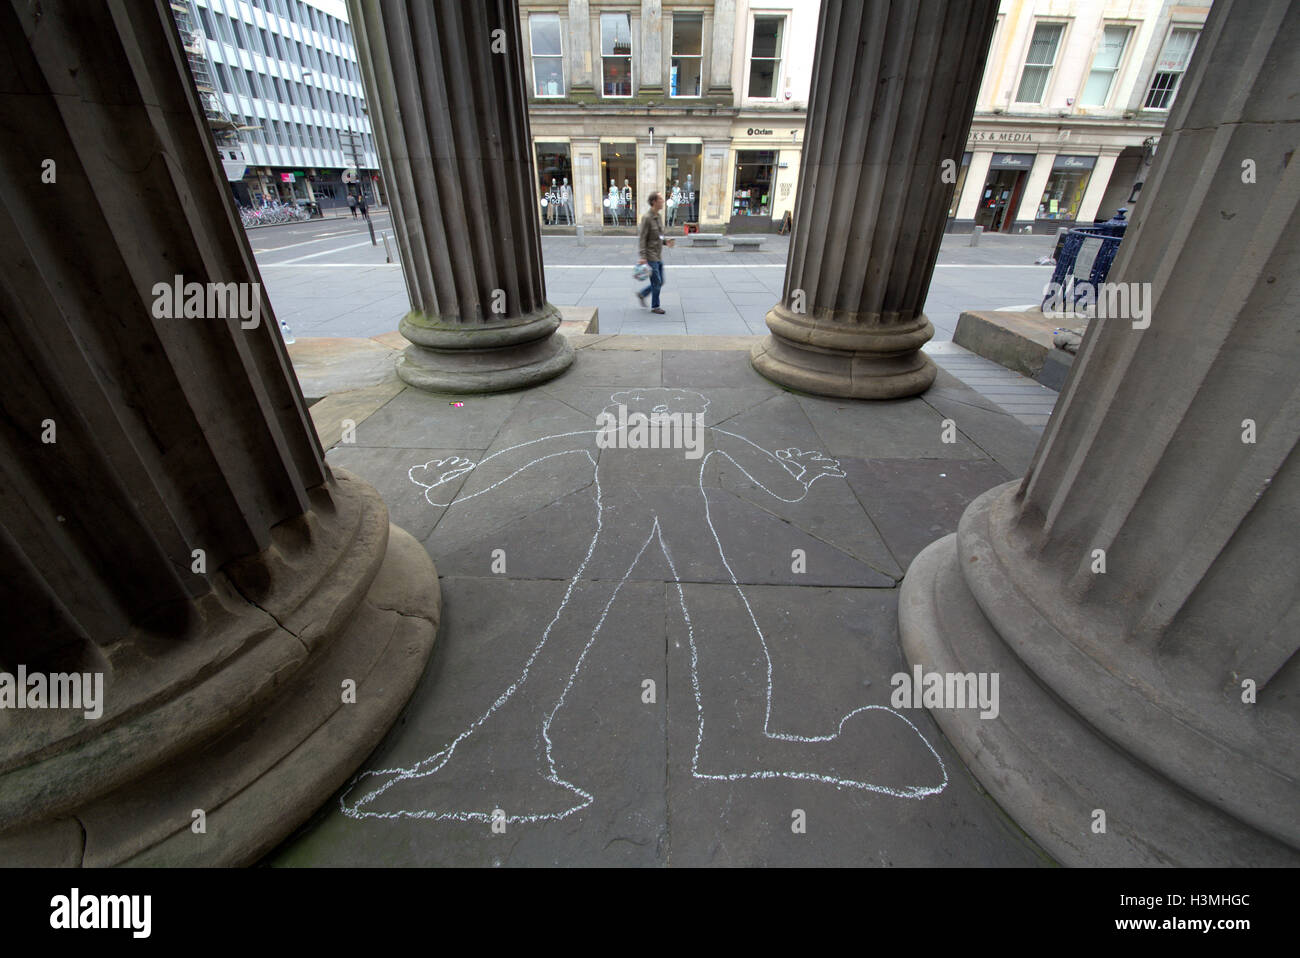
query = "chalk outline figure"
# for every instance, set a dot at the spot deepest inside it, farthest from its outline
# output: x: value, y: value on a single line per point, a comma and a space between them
x: 797, y: 463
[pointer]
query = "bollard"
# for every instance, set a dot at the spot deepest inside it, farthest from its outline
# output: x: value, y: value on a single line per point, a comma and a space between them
x: 975, y: 235
x: 388, y: 256
x: 581, y: 232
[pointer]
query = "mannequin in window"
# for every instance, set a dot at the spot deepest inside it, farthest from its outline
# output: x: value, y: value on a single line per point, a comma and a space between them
x: 552, y: 202
x: 613, y: 202
x: 674, y: 202
x: 566, y: 202
x: 627, y: 202
x: 688, y: 197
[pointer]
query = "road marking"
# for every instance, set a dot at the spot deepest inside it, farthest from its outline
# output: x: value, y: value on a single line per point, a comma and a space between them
x: 299, y: 265
x: 783, y: 265
x: 324, y: 252
x: 296, y: 265
x: 276, y: 249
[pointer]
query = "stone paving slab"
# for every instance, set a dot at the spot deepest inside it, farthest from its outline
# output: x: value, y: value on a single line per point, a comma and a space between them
x: 761, y: 608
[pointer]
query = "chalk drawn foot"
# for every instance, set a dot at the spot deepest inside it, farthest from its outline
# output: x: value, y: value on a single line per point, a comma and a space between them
x: 874, y: 748
x: 471, y: 781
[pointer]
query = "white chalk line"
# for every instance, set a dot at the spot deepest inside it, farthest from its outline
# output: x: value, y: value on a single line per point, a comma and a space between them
x: 911, y: 791
x: 433, y: 763
x: 446, y: 754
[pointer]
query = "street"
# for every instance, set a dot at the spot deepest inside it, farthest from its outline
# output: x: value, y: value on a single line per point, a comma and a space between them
x: 326, y: 279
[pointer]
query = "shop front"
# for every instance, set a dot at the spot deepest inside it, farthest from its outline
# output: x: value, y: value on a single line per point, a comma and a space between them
x: 1060, y: 172
x: 1003, y: 188
x: 764, y: 174
x: 1066, y: 187
x: 618, y: 176
x: 681, y: 188
x: 614, y: 162
x: 555, y: 183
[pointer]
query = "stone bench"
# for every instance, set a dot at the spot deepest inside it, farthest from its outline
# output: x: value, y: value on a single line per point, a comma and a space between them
x: 746, y: 242
x: 705, y: 239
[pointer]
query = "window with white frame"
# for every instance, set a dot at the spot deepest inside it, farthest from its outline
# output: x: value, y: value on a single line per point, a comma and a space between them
x: 1039, y: 62
x: 616, y: 54
x: 1105, y: 65
x: 688, y: 34
x: 1170, y: 68
x: 765, y: 57
x: 548, y: 54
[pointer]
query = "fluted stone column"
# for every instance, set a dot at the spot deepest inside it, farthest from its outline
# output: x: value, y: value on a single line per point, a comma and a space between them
x: 448, y: 100
x: 894, y: 86
x: 167, y: 521
x: 1138, y: 590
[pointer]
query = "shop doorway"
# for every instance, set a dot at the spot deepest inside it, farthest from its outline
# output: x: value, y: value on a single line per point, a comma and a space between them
x: 682, y: 188
x: 1001, y: 199
x: 554, y: 184
x: 751, y: 198
x: 618, y: 182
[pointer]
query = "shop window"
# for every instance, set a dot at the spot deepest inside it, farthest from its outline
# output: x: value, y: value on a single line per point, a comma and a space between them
x: 1039, y: 62
x: 765, y: 57
x: 618, y: 173
x: 616, y: 54
x: 682, y: 190
x: 1170, y: 68
x: 548, y: 54
x: 1064, y: 191
x: 753, y: 193
x: 688, y: 32
x: 1104, y: 66
x: 555, y: 184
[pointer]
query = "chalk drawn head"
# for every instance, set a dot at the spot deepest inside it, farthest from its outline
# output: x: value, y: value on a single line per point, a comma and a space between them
x: 658, y: 400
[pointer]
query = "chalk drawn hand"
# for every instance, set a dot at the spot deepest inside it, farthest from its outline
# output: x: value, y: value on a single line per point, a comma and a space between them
x: 809, y: 466
x: 438, y: 471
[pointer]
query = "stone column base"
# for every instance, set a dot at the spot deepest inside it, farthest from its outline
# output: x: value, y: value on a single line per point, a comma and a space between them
x: 835, y: 359
x: 460, y: 357
x: 1180, y: 782
x: 246, y: 719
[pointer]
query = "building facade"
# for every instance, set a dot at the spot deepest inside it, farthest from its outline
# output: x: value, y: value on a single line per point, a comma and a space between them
x: 703, y: 101
x: 1074, y: 96
x: 284, y: 74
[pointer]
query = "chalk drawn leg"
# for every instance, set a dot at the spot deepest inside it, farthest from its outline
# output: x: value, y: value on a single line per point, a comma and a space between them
x: 735, y: 681
x: 507, y: 759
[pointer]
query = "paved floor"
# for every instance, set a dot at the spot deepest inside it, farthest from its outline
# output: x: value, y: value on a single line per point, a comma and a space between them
x: 326, y: 279
x: 648, y: 658
x: 1028, y: 400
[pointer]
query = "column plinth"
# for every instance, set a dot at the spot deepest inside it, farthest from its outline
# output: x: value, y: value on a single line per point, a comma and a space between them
x: 172, y: 543
x: 1137, y: 590
x: 894, y: 86
x: 831, y: 357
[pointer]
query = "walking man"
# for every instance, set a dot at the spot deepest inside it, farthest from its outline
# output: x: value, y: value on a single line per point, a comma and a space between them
x: 352, y: 203
x: 652, y: 242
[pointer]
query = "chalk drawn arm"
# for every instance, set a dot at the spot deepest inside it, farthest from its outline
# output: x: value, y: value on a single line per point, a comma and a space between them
x: 435, y: 475
x: 786, y: 474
